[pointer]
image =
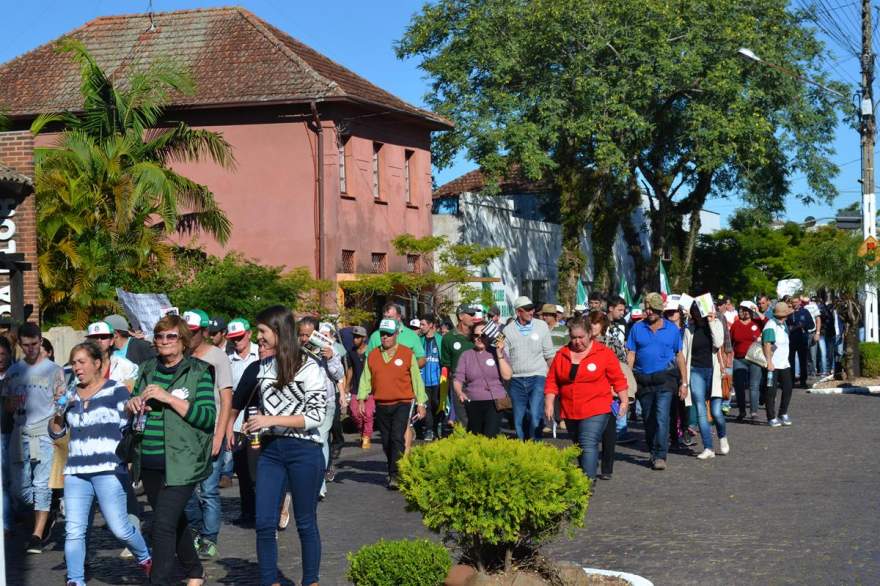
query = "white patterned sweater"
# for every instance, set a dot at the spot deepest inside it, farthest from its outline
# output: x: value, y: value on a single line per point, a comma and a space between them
x: 306, y: 396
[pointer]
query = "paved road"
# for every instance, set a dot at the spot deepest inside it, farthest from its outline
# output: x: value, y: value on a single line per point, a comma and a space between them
x: 798, y: 505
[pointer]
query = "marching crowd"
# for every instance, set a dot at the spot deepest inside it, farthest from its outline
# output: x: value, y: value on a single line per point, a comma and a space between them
x: 176, y: 418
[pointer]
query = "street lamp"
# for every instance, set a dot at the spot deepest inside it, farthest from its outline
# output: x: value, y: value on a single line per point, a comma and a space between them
x: 866, y: 134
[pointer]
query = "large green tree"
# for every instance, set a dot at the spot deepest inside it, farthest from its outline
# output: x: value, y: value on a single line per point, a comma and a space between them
x: 611, y: 99
x: 107, y: 198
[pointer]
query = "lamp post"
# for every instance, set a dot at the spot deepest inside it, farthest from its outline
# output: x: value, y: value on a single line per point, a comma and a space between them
x: 866, y: 137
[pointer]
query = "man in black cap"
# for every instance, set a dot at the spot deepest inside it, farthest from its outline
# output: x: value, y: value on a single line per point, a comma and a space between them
x: 126, y: 345
x: 454, y: 344
x: 217, y: 331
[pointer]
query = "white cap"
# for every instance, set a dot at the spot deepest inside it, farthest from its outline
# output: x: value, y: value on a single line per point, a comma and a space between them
x: 749, y: 305
x: 580, y: 308
x: 389, y: 326
x: 522, y: 301
x: 415, y: 323
x: 560, y: 309
x: 99, y: 328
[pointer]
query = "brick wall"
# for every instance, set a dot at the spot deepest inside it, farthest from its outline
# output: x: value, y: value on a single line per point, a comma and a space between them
x: 17, y: 151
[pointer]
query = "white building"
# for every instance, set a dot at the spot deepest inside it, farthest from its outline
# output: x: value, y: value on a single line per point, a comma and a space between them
x: 516, y: 220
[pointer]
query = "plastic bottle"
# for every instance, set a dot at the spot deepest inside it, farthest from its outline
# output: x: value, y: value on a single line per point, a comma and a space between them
x: 61, y: 405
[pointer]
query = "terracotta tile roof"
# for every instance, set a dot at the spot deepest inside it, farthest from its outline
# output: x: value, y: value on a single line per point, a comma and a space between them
x: 10, y: 175
x: 233, y: 57
x: 475, y: 181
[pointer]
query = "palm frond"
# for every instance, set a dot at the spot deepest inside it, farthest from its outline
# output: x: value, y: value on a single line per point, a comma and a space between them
x: 185, y: 144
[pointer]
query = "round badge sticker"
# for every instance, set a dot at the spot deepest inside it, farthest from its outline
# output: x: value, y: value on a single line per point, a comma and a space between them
x: 754, y: 328
x: 398, y: 362
x: 457, y: 345
x: 490, y: 362
x: 535, y: 337
x: 591, y: 367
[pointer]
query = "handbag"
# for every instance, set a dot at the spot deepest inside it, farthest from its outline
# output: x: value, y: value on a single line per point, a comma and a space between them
x: 127, y: 446
x: 726, y: 384
x: 755, y: 354
x: 503, y: 403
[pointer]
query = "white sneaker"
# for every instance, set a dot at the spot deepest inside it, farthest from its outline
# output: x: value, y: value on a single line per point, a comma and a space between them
x: 706, y: 454
x: 725, y: 447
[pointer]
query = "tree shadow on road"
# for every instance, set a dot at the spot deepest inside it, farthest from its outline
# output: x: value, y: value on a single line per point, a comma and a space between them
x: 242, y: 572
x: 363, y: 471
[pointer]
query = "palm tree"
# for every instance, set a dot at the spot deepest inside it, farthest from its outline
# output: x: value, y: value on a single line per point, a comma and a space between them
x: 106, y: 198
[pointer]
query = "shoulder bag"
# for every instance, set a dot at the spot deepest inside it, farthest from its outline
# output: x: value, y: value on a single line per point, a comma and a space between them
x: 755, y: 354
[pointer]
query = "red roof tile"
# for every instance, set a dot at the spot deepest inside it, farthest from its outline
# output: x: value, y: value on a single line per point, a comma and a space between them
x: 233, y: 57
x: 475, y: 181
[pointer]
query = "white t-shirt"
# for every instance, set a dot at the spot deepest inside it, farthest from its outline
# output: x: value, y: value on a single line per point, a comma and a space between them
x: 814, y: 311
x: 776, y: 333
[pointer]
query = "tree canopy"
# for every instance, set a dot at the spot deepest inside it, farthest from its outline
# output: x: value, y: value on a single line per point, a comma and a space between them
x: 611, y: 99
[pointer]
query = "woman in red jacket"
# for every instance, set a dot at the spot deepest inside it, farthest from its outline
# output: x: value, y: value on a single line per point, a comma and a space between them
x: 583, y: 374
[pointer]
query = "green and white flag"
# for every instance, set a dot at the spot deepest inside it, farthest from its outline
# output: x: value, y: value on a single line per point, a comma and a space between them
x: 581, y: 293
x: 624, y: 292
x: 664, y: 280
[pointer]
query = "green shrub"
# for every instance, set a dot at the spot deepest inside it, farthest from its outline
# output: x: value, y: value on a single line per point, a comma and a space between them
x: 870, y: 355
x: 399, y: 563
x: 496, y: 499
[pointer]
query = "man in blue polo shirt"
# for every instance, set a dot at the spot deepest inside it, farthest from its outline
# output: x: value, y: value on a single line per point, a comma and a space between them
x: 654, y: 354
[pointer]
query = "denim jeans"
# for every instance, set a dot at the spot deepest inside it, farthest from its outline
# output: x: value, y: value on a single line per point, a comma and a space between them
x: 747, y: 375
x: 33, y: 476
x: 527, y: 395
x: 826, y: 358
x: 587, y: 433
x: 299, y: 465
x: 701, y: 390
x: 655, y: 402
x: 203, y: 509
x: 79, y: 493
x: 228, y: 468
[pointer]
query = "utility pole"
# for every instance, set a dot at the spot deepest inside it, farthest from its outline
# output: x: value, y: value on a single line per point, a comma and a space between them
x: 867, y: 129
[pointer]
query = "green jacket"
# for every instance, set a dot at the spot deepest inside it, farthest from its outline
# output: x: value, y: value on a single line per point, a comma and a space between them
x: 187, y: 448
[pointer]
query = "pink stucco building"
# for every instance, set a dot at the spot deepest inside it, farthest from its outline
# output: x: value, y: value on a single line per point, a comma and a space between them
x: 329, y: 166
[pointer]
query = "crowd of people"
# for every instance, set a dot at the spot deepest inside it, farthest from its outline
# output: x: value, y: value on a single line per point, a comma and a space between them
x: 176, y: 418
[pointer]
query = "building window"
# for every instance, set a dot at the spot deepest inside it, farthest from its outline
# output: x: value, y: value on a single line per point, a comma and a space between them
x: 348, y: 264
x: 445, y: 206
x: 407, y: 175
x: 379, y: 262
x: 534, y: 289
x: 376, y: 148
x: 414, y: 263
x: 343, y: 184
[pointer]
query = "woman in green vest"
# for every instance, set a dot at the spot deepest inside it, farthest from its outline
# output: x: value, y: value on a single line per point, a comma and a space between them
x: 176, y: 393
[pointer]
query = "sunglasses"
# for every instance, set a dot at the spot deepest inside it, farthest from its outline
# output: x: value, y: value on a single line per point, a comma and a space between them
x: 167, y: 337
x: 101, y: 336
x: 385, y: 334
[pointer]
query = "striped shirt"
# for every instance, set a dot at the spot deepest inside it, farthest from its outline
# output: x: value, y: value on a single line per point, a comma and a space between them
x: 95, y: 427
x: 202, y: 413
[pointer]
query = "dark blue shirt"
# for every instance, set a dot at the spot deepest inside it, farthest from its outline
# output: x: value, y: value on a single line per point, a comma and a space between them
x: 431, y: 370
x: 655, y: 351
x: 799, y: 325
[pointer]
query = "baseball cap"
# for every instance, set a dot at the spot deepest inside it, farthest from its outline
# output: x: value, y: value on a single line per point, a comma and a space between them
x: 196, y: 319
x: 548, y: 308
x: 237, y: 328
x: 654, y: 301
x: 117, y: 322
x: 580, y: 308
x: 389, y: 326
x: 216, y: 324
x: 478, y: 314
x: 523, y: 302
x: 359, y: 331
x: 636, y: 314
x: 99, y: 328
x: 493, y: 311
x: 560, y: 309
x: 749, y: 305
x: 465, y: 308
x: 415, y: 323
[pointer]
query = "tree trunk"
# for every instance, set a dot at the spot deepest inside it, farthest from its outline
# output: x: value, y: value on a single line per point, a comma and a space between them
x: 685, y: 276
x: 851, y: 358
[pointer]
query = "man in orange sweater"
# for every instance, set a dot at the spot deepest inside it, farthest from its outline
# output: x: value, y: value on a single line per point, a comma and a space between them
x: 391, y: 374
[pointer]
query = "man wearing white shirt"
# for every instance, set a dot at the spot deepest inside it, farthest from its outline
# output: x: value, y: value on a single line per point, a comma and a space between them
x: 242, y: 353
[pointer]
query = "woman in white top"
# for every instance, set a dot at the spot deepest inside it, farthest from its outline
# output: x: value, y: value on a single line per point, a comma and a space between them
x: 293, y: 400
x: 775, y: 340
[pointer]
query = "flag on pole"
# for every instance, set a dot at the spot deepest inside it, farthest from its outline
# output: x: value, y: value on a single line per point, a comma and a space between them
x: 581, y: 293
x: 624, y: 292
x: 664, y: 280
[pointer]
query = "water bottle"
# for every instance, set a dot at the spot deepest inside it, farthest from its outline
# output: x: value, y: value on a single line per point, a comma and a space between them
x: 140, y: 422
x: 61, y: 405
x: 770, y: 378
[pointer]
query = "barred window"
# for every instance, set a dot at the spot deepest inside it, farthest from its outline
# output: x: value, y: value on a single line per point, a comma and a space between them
x: 414, y: 263
x: 379, y: 262
x: 348, y: 261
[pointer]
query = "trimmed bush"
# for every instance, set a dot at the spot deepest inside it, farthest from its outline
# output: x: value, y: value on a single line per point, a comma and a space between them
x: 496, y: 499
x: 399, y: 563
x: 870, y: 356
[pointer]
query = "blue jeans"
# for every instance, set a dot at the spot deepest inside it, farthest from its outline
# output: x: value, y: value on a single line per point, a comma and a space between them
x: 587, y: 433
x: 297, y: 464
x: 33, y: 476
x: 826, y: 349
x: 203, y: 509
x: 655, y: 401
x: 227, y: 469
x: 701, y: 389
x: 79, y: 493
x: 527, y: 395
x: 747, y: 375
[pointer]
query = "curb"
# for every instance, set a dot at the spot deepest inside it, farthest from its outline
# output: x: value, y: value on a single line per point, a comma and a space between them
x: 631, y: 578
x: 846, y: 391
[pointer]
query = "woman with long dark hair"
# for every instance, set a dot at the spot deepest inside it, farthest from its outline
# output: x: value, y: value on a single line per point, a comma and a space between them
x: 293, y: 404
x: 702, y: 340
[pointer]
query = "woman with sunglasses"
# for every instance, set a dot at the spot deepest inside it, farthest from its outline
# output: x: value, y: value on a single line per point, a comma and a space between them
x: 479, y: 380
x: 95, y: 416
x: 293, y: 398
x: 176, y: 392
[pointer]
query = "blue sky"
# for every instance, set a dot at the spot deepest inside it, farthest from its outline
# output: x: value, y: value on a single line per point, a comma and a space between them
x: 360, y: 35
